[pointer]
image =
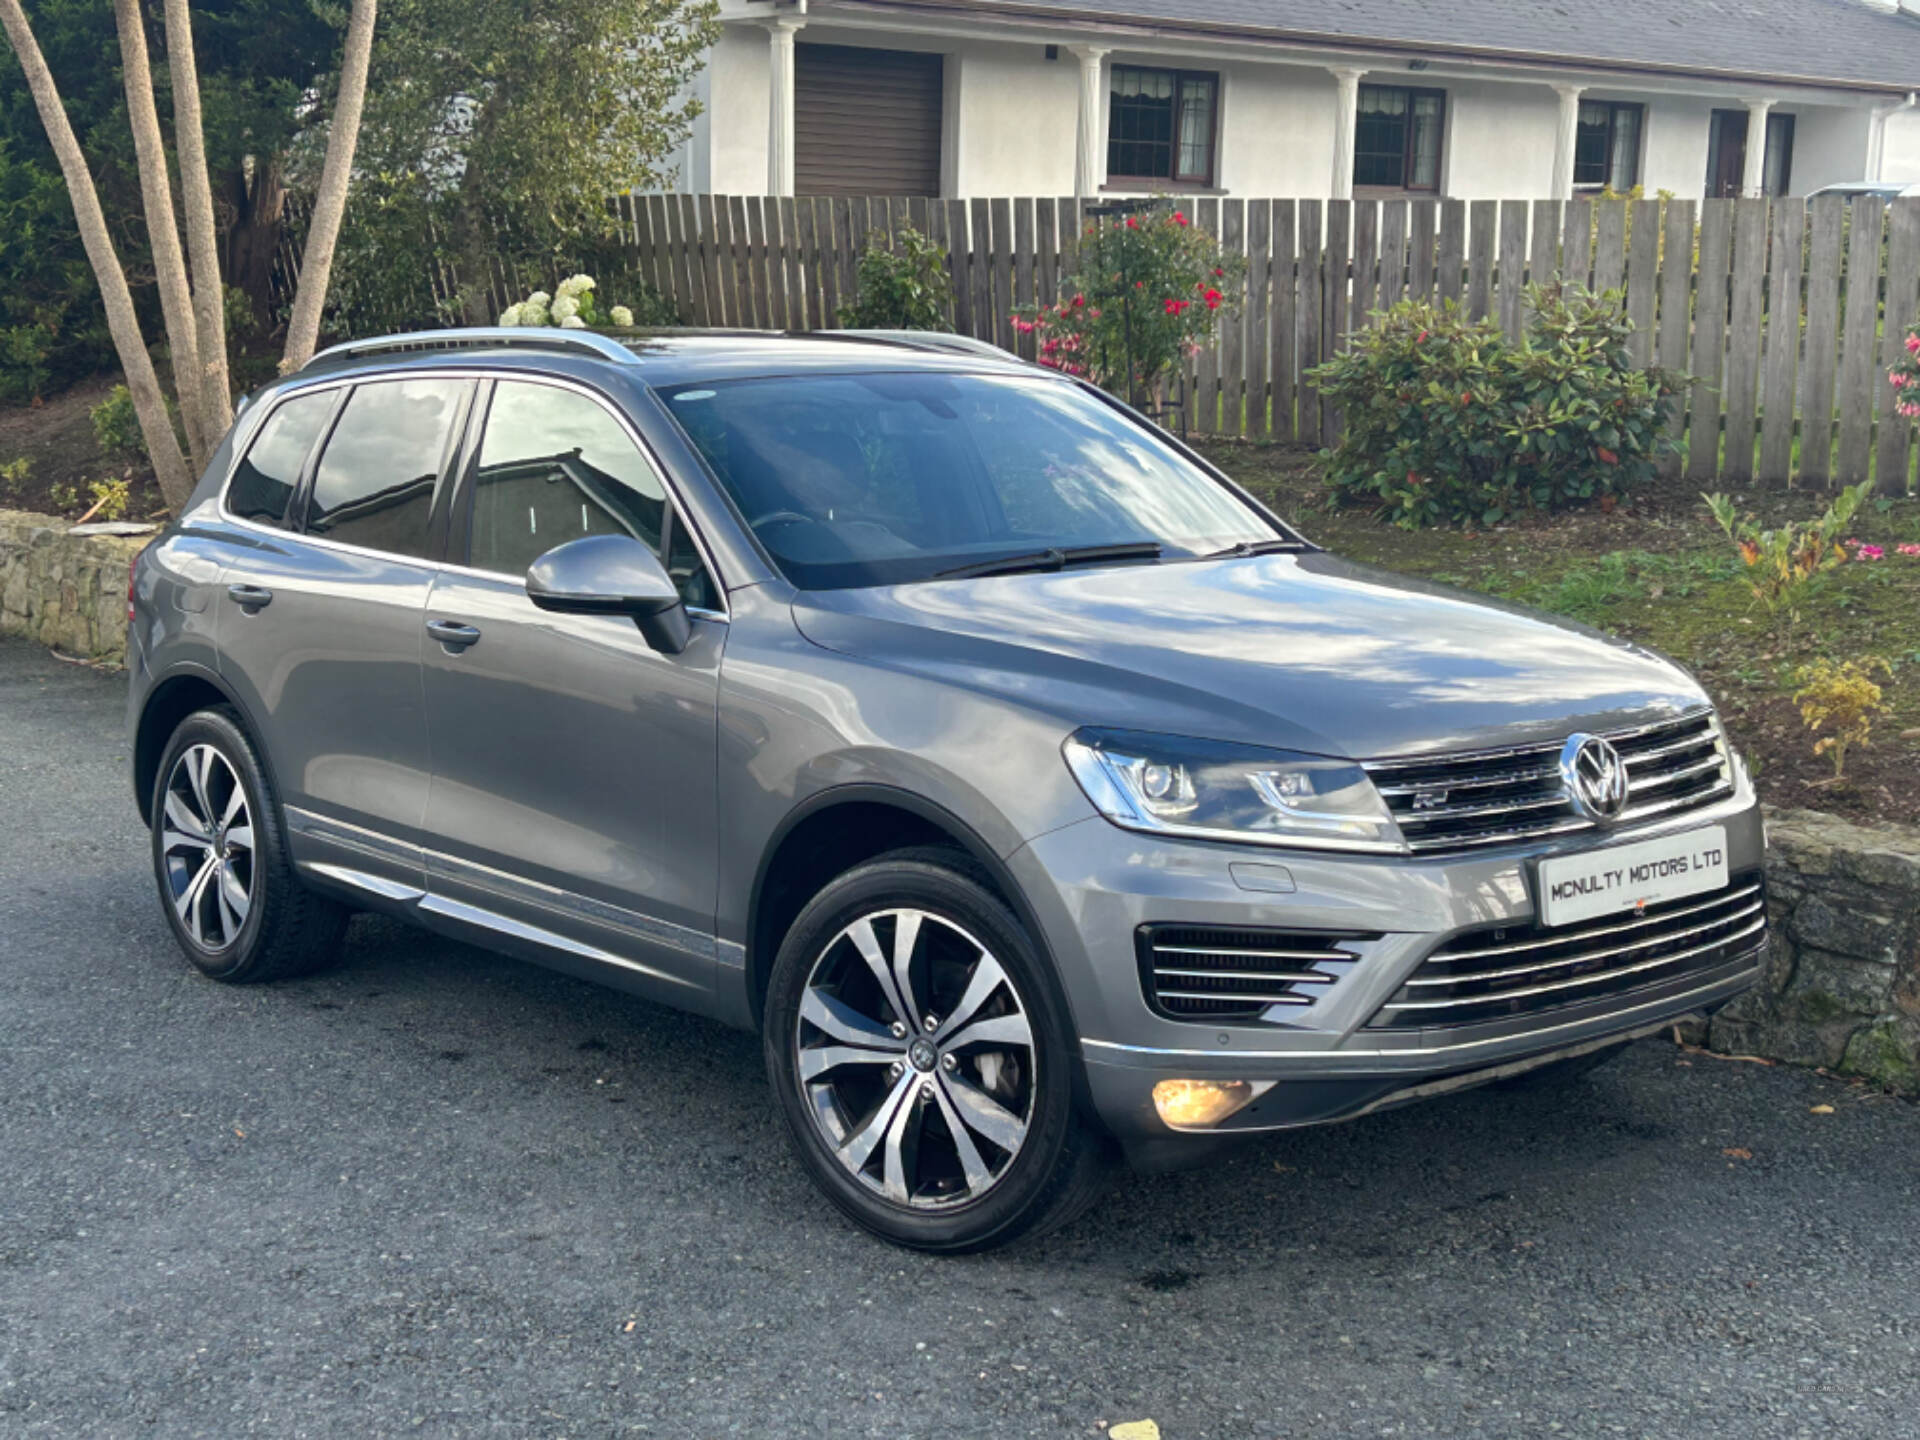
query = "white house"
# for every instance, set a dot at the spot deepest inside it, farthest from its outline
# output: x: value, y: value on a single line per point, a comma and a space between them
x: 1469, y: 99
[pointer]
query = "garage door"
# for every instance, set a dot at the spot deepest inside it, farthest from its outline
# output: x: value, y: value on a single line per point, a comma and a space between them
x: 866, y: 122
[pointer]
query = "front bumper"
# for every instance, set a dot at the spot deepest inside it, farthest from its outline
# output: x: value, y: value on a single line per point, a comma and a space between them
x: 1092, y: 885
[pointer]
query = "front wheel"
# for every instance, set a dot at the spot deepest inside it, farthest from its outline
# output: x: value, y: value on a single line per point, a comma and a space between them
x: 922, y: 1063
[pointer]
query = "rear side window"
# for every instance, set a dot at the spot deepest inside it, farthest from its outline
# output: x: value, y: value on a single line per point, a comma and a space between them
x: 374, y: 485
x: 265, y: 481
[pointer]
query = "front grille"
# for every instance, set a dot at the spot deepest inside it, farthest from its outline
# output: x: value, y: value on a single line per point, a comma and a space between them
x: 1526, y: 970
x: 1205, y: 972
x: 1447, y: 803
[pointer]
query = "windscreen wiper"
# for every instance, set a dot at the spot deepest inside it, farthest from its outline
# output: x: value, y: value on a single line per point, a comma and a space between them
x: 1054, y: 559
x: 1256, y: 547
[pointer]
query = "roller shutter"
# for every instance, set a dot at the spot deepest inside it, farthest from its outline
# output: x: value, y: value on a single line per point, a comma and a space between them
x: 866, y: 122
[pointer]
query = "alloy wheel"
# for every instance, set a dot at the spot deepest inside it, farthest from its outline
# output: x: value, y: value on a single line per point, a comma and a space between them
x: 207, y: 847
x: 915, y: 1059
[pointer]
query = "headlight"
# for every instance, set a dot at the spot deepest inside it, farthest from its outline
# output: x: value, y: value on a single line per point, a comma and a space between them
x: 1211, y: 790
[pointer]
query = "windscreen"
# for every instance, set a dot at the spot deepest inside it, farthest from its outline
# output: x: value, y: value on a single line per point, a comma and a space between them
x: 882, y: 479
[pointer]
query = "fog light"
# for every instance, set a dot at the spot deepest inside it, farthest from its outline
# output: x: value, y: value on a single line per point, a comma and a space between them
x: 1199, y: 1104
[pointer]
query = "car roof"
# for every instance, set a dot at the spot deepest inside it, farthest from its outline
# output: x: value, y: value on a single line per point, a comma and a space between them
x: 670, y: 357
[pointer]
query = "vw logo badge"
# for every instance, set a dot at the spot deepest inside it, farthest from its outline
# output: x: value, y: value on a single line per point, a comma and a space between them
x: 1595, y: 777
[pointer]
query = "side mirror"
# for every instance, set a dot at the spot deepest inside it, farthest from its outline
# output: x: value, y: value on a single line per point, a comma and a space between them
x: 612, y: 575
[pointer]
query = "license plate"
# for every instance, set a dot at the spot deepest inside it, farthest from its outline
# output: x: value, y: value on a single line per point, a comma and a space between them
x: 1625, y: 877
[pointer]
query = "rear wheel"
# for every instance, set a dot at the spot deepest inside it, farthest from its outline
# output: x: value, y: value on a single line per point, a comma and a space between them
x: 220, y: 861
x: 922, y: 1063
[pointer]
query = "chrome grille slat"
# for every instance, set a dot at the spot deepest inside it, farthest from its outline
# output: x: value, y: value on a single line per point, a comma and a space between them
x: 1599, y: 975
x: 1515, y: 794
x: 1212, y: 973
x: 1603, y: 958
x: 1749, y: 891
x: 1467, y: 977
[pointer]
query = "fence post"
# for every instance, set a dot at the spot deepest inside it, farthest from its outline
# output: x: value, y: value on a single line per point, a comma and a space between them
x: 1511, y: 288
x: 1903, y: 276
x: 1783, y: 343
x: 1861, y: 347
x: 1676, y: 311
x: 1709, y: 340
x: 1743, y: 339
x: 1828, y: 217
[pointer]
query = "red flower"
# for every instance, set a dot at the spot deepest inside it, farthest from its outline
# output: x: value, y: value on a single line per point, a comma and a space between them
x: 1179, y: 217
x: 1213, y: 299
x: 1079, y: 302
x: 1421, y: 338
x: 1218, y: 273
x: 1466, y: 397
x: 1133, y: 222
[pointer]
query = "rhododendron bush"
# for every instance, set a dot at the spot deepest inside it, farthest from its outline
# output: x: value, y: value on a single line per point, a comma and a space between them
x: 1143, y: 292
x: 1447, y: 422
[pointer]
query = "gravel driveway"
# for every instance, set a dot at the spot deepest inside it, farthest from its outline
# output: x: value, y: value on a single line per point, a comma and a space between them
x: 445, y: 1193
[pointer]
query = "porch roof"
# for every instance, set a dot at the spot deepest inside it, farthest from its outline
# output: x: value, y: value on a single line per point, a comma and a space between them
x: 1844, y: 43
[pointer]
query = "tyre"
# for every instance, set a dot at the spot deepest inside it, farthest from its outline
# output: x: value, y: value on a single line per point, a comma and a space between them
x: 1557, y: 1073
x: 922, y: 1062
x: 220, y: 860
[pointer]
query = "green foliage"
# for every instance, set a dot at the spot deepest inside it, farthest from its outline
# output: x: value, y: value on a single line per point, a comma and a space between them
x: 1145, y: 291
x: 117, y: 427
x: 1446, y: 422
x: 1844, y: 699
x: 494, y: 133
x: 1783, y: 563
x: 110, y: 498
x: 904, y: 285
x: 13, y: 477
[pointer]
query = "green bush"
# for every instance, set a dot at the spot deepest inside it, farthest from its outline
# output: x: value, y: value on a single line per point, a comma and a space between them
x: 1448, y: 423
x: 117, y: 426
x: 904, y: 286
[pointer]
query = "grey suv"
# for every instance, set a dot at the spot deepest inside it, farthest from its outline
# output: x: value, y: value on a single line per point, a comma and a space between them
x: 1037, y: 794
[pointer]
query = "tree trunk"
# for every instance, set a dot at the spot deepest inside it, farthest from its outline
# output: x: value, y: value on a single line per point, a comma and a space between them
x: 163, y: 448
x: 163, y: 231
x: 189, y: 144
x: 330, y: 202
x: 259, y: 202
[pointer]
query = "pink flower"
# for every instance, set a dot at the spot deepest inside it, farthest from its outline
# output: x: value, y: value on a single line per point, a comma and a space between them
x: 1913, y: 344
x: 1025, y: 327
x: 1899, y: 380
x: 1909, y: 550
x: 1869, y: 552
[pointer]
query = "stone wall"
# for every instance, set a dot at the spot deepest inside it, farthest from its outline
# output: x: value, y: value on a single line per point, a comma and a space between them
x: 66, y: 591
x: 1843, y: 984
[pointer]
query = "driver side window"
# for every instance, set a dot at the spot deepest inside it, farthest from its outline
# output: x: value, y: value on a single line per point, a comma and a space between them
x: 555, y: 466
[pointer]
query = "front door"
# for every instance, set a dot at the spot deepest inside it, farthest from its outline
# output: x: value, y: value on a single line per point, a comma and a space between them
x: 1726, y: 154
x: 320, y: 625
x: 573, y: 799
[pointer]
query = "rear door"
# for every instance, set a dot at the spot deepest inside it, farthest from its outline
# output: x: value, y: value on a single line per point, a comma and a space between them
x: 573, y: 801
x: 323, y: 606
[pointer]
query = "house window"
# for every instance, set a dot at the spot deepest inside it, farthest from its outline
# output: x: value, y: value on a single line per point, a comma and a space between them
x: 1778, y: 168
x: 1606, y: 145
x: 1161, y: 125
x: 1396, y: 138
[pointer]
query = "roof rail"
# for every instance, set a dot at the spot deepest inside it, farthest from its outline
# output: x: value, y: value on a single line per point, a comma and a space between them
x: 582, y: 342
x: 923, y: 340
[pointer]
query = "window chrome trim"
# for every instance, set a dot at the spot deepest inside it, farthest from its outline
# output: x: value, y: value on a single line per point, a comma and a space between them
x: 337, y: 381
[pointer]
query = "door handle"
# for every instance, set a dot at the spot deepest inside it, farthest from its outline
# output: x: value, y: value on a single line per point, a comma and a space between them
x: 453, y: 634
x: 250, y: 597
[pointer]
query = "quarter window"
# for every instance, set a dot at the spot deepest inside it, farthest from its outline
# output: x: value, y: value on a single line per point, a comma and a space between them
x: 264, y: 482
x: 375, y: 482
x: 555, y: 466
x: 1396, y: 139
x: 1160, y: 125
x: 1606, y: 145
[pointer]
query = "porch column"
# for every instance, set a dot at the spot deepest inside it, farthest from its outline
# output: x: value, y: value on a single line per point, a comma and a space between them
x: 1753, y: 181
x: 780, y: 104
x: 1564, y: 138
x: 1346, y: 116
x: 1090, y: 164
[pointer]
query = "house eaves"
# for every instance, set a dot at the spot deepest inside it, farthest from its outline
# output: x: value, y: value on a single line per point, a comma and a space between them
x: 1878, y: 52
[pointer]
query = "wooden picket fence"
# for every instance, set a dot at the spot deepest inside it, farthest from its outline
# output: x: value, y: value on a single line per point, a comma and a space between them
x: 1752, y: 299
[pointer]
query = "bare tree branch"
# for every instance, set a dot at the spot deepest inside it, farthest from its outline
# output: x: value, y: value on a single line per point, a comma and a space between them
x: 163, y: 231
x: 330, y: 203
x: 169, y: 465
x: 203, y: 250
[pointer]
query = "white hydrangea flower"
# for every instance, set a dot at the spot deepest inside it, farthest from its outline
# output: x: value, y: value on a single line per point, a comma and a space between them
x: 539, y: 299
x: 512, y: 315
x: 566, y: 307
x: 573, y: 322
x: 621, y: 316
x: 532, y: 314
x: 575, y: 286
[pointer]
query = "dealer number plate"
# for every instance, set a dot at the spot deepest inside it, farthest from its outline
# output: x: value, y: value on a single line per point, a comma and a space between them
x: 1580, y: 887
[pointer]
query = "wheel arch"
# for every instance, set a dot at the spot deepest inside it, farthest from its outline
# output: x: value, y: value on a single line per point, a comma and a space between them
x: 848, y: 825
x: 185, y: 689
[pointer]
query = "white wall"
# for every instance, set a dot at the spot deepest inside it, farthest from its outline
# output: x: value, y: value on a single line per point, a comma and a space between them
x: 1901, y: 161
x: 1675, y: 153
x: 1014, y: 123
x: 1499, y: 139
x: 1829, y: 145
x: 734, y: 148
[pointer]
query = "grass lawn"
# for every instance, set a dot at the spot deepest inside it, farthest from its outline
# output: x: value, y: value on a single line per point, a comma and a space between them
x: 1658, y: 570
